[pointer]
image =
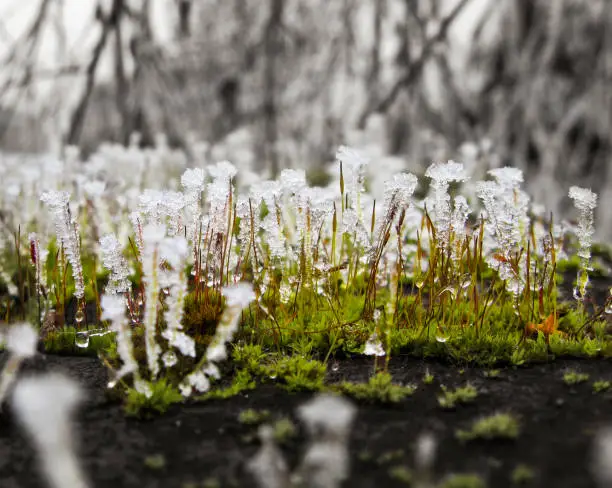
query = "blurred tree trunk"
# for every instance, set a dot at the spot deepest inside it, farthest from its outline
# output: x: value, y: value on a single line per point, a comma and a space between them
x: 184, y: 7
x: 270, y: 82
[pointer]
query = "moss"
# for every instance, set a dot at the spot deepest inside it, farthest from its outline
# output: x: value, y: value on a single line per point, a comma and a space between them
x: 571, y: 378
x: 601, y: 386
x: 297, y: 373
x: 163, y: 395
x: 155, y: 461
x: 242, y: 381
x: 492, y: 373
x: 428, y: 378
x: 379, y: 389
x: 64, y: 341
x: 497, y: 426
x: 251, y: 416
x: 284, y: 430
x: 459, y: 396
x: 463, y: 481
x: 401, y: 474
x: 522, y: 475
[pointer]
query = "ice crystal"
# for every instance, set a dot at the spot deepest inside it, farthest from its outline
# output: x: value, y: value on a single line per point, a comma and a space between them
x: 239, y: 295
x: 585, y: 201
x: 67, y: 233
x: 113, y: 260
x: 114, y: 309
x: 442, y: 174
x: 373, y: 346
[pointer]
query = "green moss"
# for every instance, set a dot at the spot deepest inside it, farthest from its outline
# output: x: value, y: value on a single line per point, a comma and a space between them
x: 492, y: 373
x: 463, y: 481
x: 163, y: 395
x: 497, y: 426
x: 522, y: 475
x: 297, y: 373
x: 242, y: 381
x: 428, y: 378
x: 571, y: 378
x: 284, y: 430
x: 379, y: 389
x: 63, y: 341
x: 401, y: 474
x: 250, y: 416
x: 155, y: 461
x: 601, y: 386
x: 459, y: 396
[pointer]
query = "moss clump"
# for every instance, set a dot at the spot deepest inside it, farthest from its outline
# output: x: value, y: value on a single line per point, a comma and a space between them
x: 601, y: 386
x: 250, y: 416
x: 379, y: 389
x: 243, y: 381
x: 401, y: 474
x: 571, y: 378
x: 163, y: 395
x: 297, y: 373
x: 284, y: 430
x: 202, y: 312
x: 155, y: 461
x: 462, y: 395
x: 497, y: 426
x: 522, y: 475
x: 462, y: 481
x: 428, y: 378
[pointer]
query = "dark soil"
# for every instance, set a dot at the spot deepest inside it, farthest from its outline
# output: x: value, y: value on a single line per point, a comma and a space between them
x: 205, y: 442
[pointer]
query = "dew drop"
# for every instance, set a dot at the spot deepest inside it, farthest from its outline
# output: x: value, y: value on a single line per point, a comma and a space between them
x: 79, y: 317
x: 441, y: 338
x: 81, y: 339
x: 272, y: 376
x: 166, y: 291
x: 608, y: 308
x: 111, y: 384
x: 335, y: 367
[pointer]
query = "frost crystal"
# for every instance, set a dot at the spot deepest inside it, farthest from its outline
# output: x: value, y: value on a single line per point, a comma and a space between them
x: 67, y: 233
x: 442, y: 174
x: 373, y: 346
x: 585, y: 201
x: 114, y: 261
x: 239, y: 295
x: 113, y: 309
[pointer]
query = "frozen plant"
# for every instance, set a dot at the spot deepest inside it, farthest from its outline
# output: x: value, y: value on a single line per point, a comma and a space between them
x: 442, y: 174
x: 328, y: 420
x: 153, y: 235
x: 268, y: 465
x: 237, y: 297
x: 602, y: 458
x: 424, y: 460
x: 113, y: 260
x: 353, y: 175
x: 44, y: 406
x: 175, y: 252
x: 21, y: 340
x: 67, y: 233
x: 192, y: 182
x: 585, y: 201
x: 113, y: 310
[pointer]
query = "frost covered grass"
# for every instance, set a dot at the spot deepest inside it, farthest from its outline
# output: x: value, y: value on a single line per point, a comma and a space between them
x: 168, y: 271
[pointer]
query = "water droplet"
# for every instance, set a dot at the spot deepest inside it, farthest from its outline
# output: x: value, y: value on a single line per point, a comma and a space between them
x: 166, y: 291
x: 79, y: 317
x: 81, y: 339
x: 441, y: 338
x: 111, y: 383
x: 608, y: 308
x: 272, y: 376
x: 335, y: 367
x: 419, y: 283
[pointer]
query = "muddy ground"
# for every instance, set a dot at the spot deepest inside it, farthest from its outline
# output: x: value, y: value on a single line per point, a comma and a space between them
x: 204, y: 445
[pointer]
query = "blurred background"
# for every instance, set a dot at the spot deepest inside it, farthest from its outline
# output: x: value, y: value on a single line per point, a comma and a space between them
x: 282, y: 83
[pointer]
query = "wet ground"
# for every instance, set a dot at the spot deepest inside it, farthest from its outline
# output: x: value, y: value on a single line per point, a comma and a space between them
x: 204, y: 445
